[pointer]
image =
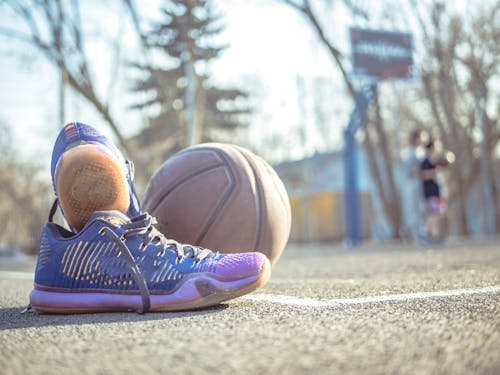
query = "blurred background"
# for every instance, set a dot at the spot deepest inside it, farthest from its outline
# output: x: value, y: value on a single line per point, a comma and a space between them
x: 274, y: 76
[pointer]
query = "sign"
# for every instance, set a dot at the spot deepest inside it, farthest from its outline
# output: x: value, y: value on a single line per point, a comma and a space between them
x: 381, y: 54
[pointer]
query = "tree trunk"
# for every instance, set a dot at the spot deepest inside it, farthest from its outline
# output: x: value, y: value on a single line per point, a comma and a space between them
x: 390, y: 206
x: 377, y: 177
x: 393, y: 209
x: 88, y: 92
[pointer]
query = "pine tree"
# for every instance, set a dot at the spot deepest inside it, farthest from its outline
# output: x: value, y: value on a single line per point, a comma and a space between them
x: 184, y: 36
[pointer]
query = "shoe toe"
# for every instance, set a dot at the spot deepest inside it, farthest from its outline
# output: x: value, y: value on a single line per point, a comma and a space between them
x: 237, y: 266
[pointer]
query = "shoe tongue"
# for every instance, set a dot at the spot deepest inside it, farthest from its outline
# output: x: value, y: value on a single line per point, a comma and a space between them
x: 113, y: 217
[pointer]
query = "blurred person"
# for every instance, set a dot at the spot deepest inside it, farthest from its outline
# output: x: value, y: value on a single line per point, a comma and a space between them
x: 435, y: 204
x: 412, y: 187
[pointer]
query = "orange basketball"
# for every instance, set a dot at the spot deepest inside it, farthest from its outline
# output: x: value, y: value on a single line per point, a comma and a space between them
x: 222, y: 197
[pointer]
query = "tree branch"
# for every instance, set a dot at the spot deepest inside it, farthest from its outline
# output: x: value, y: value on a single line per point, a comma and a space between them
x: 306, y: 10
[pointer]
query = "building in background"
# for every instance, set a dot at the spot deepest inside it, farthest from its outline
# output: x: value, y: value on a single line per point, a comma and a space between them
x: 316, y: 191
x: 315, y: 188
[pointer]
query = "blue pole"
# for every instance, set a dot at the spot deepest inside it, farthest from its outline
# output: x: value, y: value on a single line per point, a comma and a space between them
x: 351, y: 192
x: 352, y: 206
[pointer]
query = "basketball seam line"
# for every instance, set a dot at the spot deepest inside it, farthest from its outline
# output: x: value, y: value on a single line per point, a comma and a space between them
x: 163, y: 196
x: 224, y: 199
x: 260, y: 203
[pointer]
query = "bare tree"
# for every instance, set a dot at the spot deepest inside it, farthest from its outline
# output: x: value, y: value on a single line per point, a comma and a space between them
x: 24, y: 198
x: 54, y: 28
x: 461, y: 64
x: 375, y: 134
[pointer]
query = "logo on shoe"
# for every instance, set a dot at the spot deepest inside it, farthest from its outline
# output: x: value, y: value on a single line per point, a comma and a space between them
x: 71, y: 131
x: 115, y: 220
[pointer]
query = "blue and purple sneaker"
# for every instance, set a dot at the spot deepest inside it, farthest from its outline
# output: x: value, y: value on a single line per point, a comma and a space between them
x: 90, y: 174
x: 120, y: 264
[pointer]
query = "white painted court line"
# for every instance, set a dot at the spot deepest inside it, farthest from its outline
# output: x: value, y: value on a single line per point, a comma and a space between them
x: 311, y: 302
x: 17, y: 275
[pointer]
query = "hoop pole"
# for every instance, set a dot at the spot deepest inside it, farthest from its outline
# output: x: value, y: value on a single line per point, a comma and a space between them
x: 352, y: 206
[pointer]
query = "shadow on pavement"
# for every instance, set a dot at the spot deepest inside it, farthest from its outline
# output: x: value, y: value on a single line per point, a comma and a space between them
x: 12, y: 318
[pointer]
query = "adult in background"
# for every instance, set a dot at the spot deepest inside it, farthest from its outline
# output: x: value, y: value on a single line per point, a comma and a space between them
x: 412, y: 187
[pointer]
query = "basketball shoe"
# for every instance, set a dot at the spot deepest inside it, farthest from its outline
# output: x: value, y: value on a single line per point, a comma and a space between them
x: 120, y: 264
x: 90, y: 174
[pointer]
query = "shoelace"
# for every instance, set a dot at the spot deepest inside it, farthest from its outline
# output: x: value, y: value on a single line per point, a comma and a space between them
x: 143, y: 225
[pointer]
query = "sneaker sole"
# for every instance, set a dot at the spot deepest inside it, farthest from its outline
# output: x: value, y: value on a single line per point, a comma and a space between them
x: 88, y: 179
x: 195, y: 293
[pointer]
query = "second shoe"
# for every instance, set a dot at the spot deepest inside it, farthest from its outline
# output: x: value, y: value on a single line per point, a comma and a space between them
x: 90, y: 174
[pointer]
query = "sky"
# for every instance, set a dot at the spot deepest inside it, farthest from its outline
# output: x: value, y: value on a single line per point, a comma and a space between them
x: 271, y: 48
x: 273, y: 53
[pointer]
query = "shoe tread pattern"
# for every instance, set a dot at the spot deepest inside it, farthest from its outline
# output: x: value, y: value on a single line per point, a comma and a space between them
x: 89, y: 180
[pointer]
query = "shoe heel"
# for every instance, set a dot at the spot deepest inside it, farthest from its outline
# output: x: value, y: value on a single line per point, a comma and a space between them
x: 88, y: 179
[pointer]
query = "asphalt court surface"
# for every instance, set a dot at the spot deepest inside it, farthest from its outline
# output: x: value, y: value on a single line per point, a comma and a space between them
x: 379, y: 309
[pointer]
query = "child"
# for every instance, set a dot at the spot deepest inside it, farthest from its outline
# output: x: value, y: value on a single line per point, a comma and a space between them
x: 435, y: 205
